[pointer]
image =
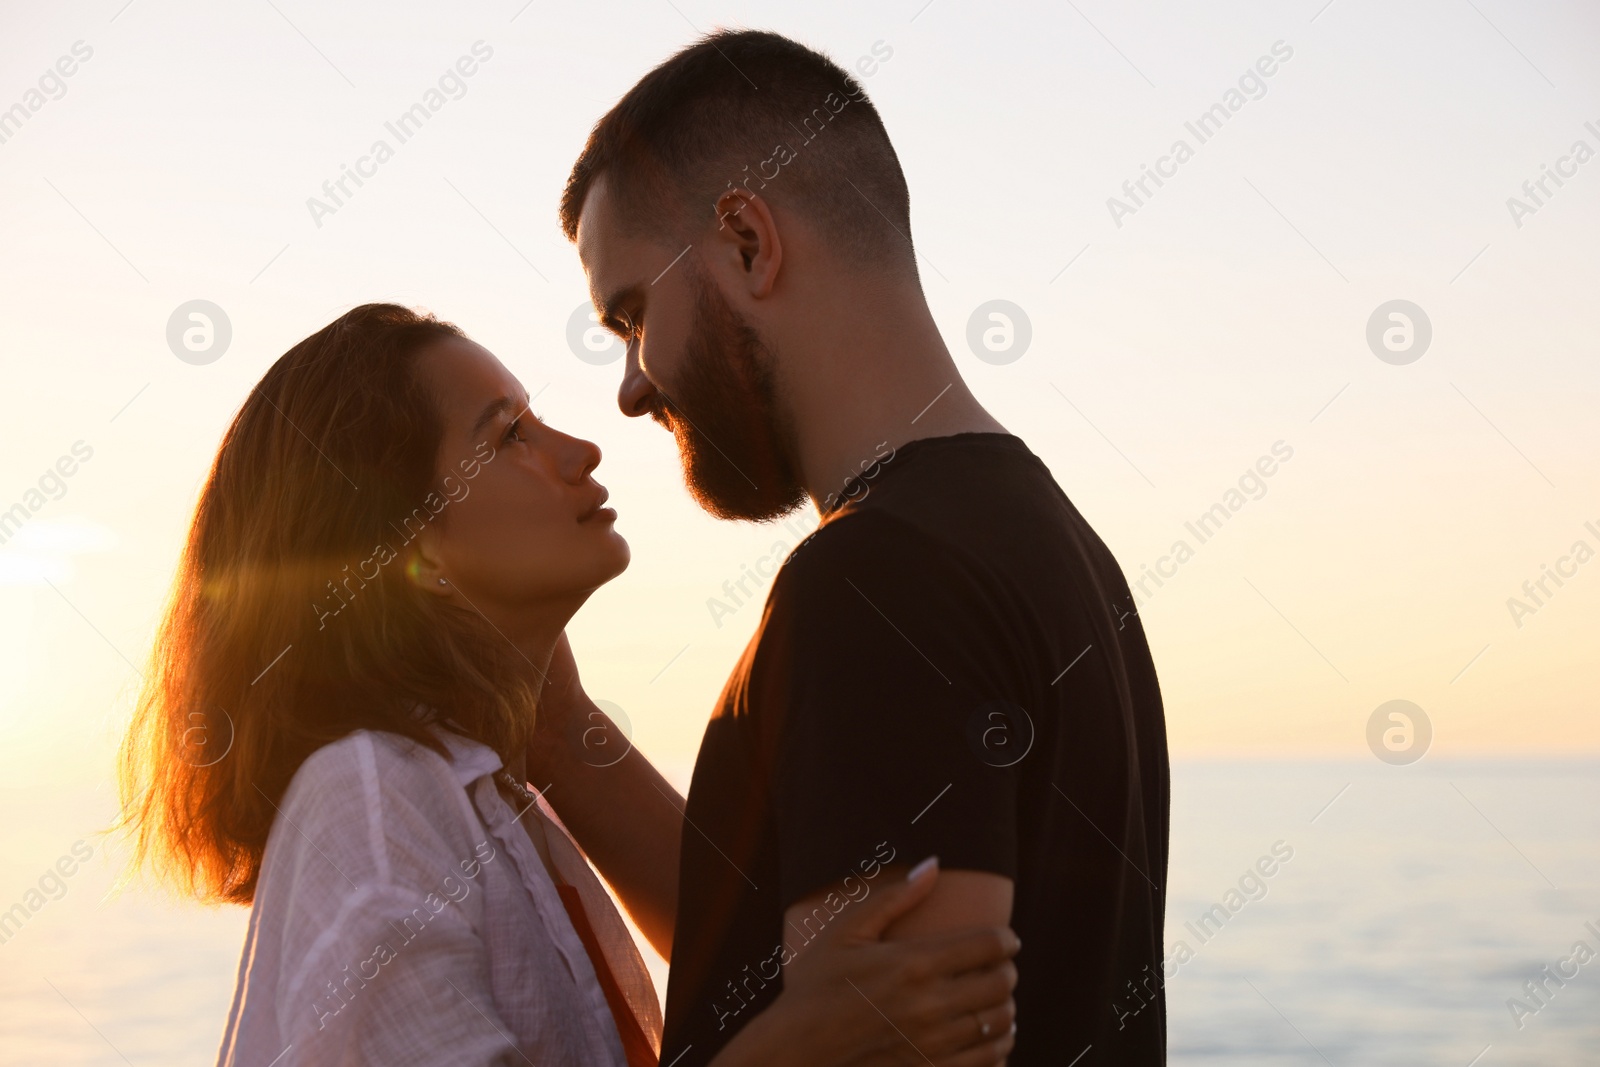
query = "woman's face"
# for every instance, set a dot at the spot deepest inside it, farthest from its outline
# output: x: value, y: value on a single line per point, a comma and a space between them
x: 522, y: 523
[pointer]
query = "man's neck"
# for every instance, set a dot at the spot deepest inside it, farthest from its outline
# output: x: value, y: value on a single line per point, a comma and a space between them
x: 867, y: 388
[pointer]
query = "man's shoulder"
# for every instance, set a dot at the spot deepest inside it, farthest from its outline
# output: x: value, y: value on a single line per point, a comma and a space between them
x: 955, y: 497
x: 867, y: 568
x: 850, y: 539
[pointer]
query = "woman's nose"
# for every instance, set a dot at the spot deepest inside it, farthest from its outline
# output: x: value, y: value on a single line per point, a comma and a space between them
x: 579, y: 457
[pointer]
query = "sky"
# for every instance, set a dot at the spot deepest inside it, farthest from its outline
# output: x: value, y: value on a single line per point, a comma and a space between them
x: 1177, y: 335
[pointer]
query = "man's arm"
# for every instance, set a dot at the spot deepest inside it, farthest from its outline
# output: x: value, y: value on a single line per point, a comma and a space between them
x: 627, y: 818
x: 849, y: 997
x: 895, y: 650
x: 960, y: 902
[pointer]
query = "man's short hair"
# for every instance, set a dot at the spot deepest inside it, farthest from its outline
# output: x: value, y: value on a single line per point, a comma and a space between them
x: 754, y: 111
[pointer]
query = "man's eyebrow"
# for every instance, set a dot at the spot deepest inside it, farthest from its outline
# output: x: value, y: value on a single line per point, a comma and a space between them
x: 607, y: 308
x: 496, y: 407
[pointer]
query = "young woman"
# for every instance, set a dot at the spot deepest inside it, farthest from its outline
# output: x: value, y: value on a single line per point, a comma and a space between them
x: 380, y: 567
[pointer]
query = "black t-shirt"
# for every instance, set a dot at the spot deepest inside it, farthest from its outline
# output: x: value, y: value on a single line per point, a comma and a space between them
x: 950, y: 665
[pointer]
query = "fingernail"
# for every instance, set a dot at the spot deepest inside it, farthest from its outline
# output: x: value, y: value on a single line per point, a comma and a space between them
x: 922, y: 869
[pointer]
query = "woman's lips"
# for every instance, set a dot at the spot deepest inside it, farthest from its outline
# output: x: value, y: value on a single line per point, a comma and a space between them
x: 599, y: 510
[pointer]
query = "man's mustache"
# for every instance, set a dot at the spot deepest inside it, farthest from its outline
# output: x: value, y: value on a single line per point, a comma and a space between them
x: 663, y: 410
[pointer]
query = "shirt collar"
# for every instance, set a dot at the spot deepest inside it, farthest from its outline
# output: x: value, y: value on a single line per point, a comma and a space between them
x: 469, y: 759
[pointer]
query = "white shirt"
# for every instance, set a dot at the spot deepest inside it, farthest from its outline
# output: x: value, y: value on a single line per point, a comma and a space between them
x: 404, y: 917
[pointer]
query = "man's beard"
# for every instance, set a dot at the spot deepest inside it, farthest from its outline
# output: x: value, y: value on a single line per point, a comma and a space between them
x: 736, y: 451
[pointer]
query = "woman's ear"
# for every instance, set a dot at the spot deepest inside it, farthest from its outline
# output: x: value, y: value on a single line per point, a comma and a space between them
x: 424, y: 568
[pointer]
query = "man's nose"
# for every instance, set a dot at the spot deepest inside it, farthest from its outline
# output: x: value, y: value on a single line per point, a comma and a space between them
x: 636, y: 394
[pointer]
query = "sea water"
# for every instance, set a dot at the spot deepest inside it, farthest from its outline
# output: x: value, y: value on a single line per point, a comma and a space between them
x: 1414, y: 908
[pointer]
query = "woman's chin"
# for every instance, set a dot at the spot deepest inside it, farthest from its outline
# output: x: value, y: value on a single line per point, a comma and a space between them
x: 620, y: 555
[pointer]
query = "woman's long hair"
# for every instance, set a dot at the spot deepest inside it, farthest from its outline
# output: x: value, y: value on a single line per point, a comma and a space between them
x: 292, y: 621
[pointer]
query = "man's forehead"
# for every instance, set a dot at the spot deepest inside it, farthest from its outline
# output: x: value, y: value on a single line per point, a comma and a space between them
x: 599, y: 236
x: 616, y: 260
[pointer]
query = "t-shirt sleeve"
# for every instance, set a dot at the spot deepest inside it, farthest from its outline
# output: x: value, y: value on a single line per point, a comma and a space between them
x: 887, y: 668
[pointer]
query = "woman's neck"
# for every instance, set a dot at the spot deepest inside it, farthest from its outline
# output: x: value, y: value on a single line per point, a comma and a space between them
x: 534, y: 636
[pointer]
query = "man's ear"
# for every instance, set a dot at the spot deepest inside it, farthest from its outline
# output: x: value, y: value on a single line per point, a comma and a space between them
x: 745, y: 247
x: 423, y: 566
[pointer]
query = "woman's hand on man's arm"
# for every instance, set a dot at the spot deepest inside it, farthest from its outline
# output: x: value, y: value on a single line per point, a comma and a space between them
x: 851, y: 997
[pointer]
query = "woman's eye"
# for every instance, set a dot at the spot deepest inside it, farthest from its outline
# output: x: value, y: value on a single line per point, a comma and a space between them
x: 514, y: 431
